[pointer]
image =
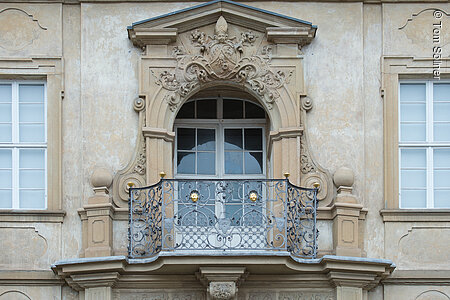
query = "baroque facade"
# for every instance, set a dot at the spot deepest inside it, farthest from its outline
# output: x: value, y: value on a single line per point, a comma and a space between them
x: 225, y: 150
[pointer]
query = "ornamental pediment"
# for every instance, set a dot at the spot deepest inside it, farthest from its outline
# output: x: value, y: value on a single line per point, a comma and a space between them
x: 277, y: 28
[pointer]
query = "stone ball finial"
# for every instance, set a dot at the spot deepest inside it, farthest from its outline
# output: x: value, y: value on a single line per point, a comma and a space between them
x: 344, y: 177
x: 101, y: 177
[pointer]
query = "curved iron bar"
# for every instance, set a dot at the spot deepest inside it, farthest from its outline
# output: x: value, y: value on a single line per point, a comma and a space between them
x: 225, y: 215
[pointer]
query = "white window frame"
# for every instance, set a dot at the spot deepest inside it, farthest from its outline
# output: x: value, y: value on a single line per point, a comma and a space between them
x: 429, y: 145
x: 15, y: 145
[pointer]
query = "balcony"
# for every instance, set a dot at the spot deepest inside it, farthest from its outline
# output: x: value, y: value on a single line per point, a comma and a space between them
x: 222, y: 216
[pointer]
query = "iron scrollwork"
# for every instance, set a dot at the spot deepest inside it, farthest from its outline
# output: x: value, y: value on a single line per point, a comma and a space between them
x: 222, y: 215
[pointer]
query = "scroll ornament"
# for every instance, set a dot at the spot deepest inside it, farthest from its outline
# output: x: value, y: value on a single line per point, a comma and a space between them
x: 220, y: 58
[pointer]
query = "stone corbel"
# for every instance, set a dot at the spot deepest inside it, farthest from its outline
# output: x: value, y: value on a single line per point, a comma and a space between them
x: 135, y: 171
x: 142, y: 37
x: 291, y: 35
x: 221, y: 283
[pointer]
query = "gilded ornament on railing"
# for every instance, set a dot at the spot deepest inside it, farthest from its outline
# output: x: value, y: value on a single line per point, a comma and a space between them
x: 221, y: 58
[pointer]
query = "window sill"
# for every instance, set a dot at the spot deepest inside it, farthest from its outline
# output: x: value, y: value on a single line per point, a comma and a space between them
x: 36, y: 216
x: 415, y: 215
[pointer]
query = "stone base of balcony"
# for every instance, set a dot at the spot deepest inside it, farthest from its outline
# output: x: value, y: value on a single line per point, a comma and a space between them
x: 255, y: 271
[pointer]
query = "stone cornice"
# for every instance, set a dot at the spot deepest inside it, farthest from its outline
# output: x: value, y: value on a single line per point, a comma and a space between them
x: 149, y: 1
x: 36, y: 216
x: 328, y: 270
x: 415, y: 215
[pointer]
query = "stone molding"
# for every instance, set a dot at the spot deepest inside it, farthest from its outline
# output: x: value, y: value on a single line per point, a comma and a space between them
x: 418, y: 277
x: 415, y: 215
x: 35, y: 216
x: 159, y: 272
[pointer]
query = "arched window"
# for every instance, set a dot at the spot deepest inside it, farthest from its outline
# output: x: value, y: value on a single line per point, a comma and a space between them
x: 220, y: 137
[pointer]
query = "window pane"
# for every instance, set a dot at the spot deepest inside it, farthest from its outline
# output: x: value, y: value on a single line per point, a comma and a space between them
x: 5, y: 179
x: 253, y: 139
x: 186, y: 139
x: 206, y: 139
x: 413, y: 199
x: 233, y: 109
x: 441, y: 158
x: 413, y: 158
x: 234, y: 213
x: 32, y: 158
x: 253, y: 111
x: 206, y: 109
x: 233, y: 139
x: 441, y: 91
x: 5, y: 133
x: 5, y: 112
x: 185, y: 162
x: 233, y: 162
x: 442, y: 199
x: 413, y: 178
x: 5, y: 199
x: 412, y: 112
x: 5, y: 159
x: 32, y: 198
x: 206, y: 163
x: 31, y: 112
x: 442, y: 178
x: 31, y: 93
x: 33, y: 133
x: 412, y: 92
x: 31, y: 178
x: 253, y: 163
x: 442, y: 132
x: 412, y: 132
x: 441, y: 111
x: 5, y: 93
x: 187, y: 111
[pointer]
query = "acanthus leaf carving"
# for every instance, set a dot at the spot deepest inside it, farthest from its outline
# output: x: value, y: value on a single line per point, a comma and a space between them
x: 220, y: 58
x: 222, y: 290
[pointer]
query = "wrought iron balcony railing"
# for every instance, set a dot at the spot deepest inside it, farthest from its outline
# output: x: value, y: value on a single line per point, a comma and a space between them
x: 222, y: 215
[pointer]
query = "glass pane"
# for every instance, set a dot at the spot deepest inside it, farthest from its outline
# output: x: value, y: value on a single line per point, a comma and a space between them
x: 412, y: 132
x: 206, y: 163
x: 31, y: 178
x: 413, y: 178
x: 412, y: 112
x: 5, y: 133
x: 413, y: 158
x: 412, y: 92
x: 31, y: 93
x: 206, y: 139
x: 253, y: 111
x: 441, y: 111
x: 441, y: 158
x: 233, y: 109
x: 32, y: 198
x: 185, y: 162
x: 5, y: 179
x: 442, y: 178
x: 253, y: 139
x: 186, y: 139
x: 442, y: 199
x: 5, y: 158
x: 234, y: 213
x: 31, y: 112
x: 5, y: 112
x: 187, y: 111
x: 413, y: 199
x: 32, y: 158
x: 31, y: 133
x: 5, y: 93
x: 233, y: 139
x: 233, y: 162
x: 442, y: 132
x: 441, y: 92
x: 253, y: 163
x: 5, y: 199
x: 206, y: 109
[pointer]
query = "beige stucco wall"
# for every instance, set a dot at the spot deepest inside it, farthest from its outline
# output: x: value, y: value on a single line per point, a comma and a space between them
x: 342, y: 68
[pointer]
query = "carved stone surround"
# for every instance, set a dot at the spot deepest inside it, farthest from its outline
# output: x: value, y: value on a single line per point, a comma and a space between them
x: 222, y: 43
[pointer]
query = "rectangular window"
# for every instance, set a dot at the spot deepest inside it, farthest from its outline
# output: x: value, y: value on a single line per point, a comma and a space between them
x: 424, y: 145
x: 23, y: 145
